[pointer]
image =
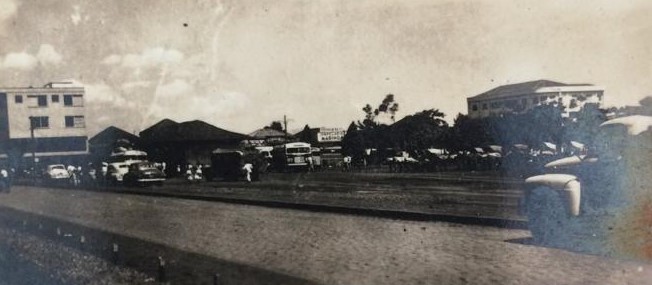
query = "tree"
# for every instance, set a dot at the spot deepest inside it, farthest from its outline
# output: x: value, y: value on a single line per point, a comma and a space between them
x: 387, y: 106
x: 275, y: 125
x: 425, y: 129
x: 468, y: 133
x: 305, y: 135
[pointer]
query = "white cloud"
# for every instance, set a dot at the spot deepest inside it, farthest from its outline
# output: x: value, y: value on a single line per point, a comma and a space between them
x: 24, y: 61
x: 204, y: 107
x: 104, y: 94
x: 147, y: 58
x: 47, y: 55
x: 75, y: 16
x: 112, y: 59
x: 176, y: 88
x: 136, y: 84
x: 20, y: 60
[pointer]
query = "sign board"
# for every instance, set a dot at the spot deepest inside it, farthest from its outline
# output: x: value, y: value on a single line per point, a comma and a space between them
x: 330, y: 134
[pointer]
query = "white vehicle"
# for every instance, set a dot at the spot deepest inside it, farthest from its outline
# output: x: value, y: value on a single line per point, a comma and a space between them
x: 291, y: 156
x: 598, y: 197
x: 57, y: 171
x: 119, y: 161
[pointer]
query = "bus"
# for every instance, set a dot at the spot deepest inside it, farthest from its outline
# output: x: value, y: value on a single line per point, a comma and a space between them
x: 291, y: 156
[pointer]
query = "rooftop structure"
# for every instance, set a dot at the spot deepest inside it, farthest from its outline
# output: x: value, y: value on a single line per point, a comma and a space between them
x: 521, y: 97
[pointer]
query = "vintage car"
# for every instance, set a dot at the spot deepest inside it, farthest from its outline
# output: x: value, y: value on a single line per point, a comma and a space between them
x: 115, y: 172
x: 143, y: 174
x: 56, y: 172
x: 600, y: 198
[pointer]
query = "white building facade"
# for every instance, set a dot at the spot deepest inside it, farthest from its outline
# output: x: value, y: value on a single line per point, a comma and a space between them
x: 521, y: 97
x: 56, y: 115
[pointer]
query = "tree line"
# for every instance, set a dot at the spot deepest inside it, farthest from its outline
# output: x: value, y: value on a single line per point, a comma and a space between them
x: 428, y: 129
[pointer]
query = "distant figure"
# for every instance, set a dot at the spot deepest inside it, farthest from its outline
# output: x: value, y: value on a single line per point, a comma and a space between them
x: 347, y: 162
x: 248, y: 168
x: 199, y: 174
x: 178, y: 170
x: 189, y: 175
x: 311, y: 166
x: 5, y: 183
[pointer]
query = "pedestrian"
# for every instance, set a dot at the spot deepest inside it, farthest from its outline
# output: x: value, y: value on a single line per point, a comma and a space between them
x: 248, y: 168
x: 199, y: 174
x: 189, y: 175
x: 347, y: 163
x: 5, y: 183
x: 311, y: 166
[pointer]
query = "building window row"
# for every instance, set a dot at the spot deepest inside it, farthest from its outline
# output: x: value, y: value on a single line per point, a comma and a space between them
x: 69, y: 100
x: 75, y: 122
x: 43, y: 122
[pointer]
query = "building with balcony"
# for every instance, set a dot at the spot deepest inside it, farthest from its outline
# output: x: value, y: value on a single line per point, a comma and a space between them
x: 521, y: 97
x: 48, y: 121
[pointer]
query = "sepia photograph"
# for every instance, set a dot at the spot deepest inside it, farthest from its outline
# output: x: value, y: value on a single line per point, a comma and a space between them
x: 325, y: 142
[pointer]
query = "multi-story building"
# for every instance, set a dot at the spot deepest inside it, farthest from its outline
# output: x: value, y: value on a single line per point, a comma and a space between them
x: 48, y: 121
x: 521, y: 97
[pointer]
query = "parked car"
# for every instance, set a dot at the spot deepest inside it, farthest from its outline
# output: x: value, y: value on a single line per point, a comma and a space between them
x: 143, y: 174
x: 115, y: 172
x: 56, y: 172
x: 598, y: 198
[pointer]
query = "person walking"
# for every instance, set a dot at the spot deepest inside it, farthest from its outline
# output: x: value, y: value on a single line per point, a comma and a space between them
x: 5, y: 183
x: 248, y: 168
x: 311, y: 166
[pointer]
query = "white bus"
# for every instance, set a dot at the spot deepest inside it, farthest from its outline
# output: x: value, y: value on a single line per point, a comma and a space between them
x: 291, y: 155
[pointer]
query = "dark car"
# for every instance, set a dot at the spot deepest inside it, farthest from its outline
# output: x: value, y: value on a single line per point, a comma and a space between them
x: 143, y: 174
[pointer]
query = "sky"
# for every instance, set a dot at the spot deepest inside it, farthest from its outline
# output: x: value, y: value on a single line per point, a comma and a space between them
x: 240, y: 65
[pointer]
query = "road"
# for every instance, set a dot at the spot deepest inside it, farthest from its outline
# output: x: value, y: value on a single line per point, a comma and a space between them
x: 257, y: 245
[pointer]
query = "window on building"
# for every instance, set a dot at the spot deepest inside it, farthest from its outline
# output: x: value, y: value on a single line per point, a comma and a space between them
x: 523, y: 102
x: 75, y: 122
x: 484, y: 106
x: 37, y: 101
x: 55, y: 98
x: 40, y: 122
x: 42, y: 100
x: 495, y: 105
x: 475, y: 107
x: 73, y: 100
x: 535, y: 101
x: 18, y: 99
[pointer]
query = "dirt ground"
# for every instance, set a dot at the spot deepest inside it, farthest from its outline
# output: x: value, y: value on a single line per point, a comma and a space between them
x: 257, y: 245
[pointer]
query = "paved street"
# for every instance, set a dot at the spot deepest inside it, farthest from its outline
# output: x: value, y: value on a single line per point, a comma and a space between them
x: 328, y: 248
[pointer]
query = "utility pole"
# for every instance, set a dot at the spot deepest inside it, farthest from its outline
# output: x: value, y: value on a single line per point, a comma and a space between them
x: 31, y: 132
x: 285, y: 125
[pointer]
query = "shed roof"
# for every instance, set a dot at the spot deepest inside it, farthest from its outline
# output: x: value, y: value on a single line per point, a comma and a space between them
x: 170, y: 131
x: 111, y: 134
